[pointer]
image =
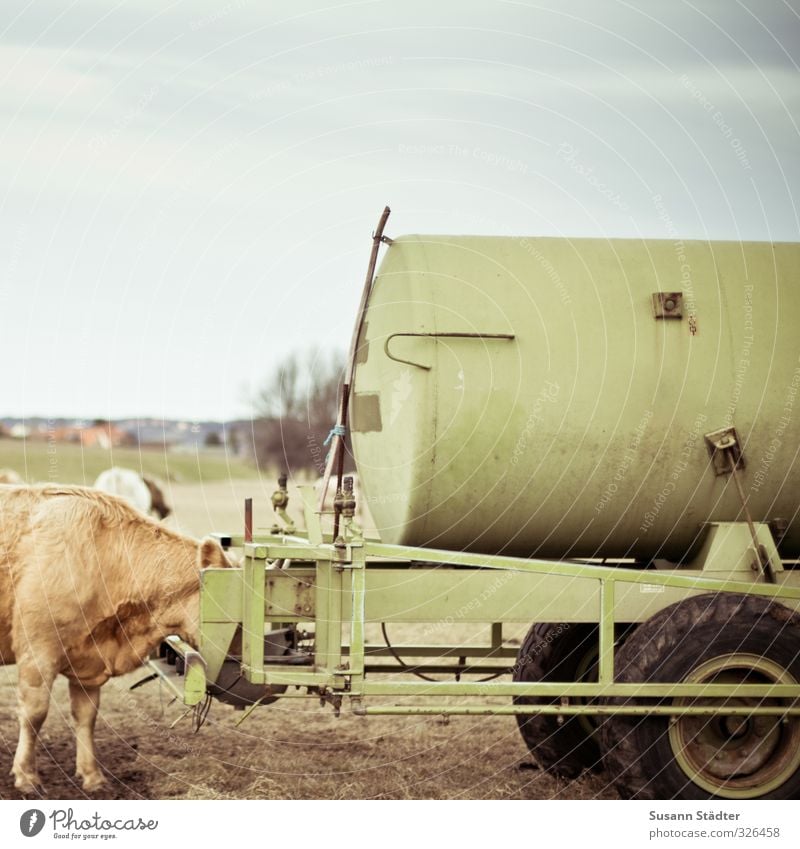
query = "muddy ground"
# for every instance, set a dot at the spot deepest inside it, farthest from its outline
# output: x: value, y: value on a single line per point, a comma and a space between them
x: 291, y: 750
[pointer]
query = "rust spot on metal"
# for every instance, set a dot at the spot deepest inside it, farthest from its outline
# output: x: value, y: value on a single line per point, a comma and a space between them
x: 248, y: 520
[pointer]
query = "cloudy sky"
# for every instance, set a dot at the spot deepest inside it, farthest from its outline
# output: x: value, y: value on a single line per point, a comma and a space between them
x: 187, y: 189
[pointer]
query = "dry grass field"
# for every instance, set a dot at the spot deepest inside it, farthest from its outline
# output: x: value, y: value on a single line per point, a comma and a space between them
x: 293, y: 749
x: 297, y: 751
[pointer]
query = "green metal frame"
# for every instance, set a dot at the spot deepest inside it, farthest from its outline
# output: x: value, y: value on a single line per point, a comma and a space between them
x: 339, y: 591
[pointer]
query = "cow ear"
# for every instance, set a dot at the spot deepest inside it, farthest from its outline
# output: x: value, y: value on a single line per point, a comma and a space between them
x: 211, y: 554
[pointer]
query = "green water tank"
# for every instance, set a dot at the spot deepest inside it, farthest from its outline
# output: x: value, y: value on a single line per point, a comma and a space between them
x: 551, y: 397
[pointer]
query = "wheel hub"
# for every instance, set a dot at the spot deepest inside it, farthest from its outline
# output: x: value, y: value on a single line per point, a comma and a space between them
x: 737, y: 756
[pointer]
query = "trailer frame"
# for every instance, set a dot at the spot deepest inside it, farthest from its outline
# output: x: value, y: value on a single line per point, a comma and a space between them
x: 342, y: 588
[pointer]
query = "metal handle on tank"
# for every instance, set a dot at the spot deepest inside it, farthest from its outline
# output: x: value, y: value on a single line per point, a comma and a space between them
x: 438, y: 336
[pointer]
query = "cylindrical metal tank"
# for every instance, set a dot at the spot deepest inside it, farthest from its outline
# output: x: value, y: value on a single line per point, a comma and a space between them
x: 550, y: 397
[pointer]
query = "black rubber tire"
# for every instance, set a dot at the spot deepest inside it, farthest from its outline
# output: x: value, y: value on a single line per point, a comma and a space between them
x: 556, y: 652
x: 637, y: 752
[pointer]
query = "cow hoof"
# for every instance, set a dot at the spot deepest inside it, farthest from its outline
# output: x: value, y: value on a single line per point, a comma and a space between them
x: 93, y: 782
x: 28, y: 785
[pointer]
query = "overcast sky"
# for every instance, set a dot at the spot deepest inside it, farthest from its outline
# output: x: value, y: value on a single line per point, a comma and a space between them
x: 187, y: 189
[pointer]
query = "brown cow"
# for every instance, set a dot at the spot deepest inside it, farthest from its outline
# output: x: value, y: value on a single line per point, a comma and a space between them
x: 88, y: 588
x: 158, y: 504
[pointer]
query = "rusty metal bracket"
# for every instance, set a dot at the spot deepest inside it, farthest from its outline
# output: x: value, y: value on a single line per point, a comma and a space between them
x: 724, y: 448
x: 727, y: 457
x: 668, y: 304
x: 391, y: 336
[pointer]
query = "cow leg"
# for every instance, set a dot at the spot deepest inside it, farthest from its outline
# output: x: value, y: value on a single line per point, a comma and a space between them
x: 33, y: 700
x: 85, y: 702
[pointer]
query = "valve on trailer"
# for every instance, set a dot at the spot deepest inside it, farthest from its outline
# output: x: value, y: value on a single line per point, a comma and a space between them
x: 344, y: 506
x: 344, y: 502
x: 280, y: 501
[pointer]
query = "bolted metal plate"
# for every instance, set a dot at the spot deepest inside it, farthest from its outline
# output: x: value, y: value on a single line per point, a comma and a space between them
x: 668, y: 304
x: 289, y: 598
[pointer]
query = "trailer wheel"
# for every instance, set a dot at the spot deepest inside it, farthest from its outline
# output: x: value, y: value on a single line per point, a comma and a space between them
x: 563, y: 745
x: 709, y: 639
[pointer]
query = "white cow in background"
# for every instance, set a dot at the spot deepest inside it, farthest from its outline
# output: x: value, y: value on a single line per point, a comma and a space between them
x: 141, y: 493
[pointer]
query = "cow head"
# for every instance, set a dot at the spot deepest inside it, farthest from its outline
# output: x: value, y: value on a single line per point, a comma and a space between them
x: 181, y: 615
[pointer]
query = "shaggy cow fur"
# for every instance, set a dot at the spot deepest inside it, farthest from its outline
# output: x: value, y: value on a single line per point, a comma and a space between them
x: 88, y: 588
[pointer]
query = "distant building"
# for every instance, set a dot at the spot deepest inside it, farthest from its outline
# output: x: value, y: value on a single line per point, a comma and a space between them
x: 144, y: 432
x: 100, y: 434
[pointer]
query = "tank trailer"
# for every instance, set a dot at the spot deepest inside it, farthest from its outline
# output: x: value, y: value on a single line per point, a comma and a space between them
x: 593, y: 438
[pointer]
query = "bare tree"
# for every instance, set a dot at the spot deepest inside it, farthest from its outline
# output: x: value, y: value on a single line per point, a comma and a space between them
x: 282, y: 395
x: 296, y: 409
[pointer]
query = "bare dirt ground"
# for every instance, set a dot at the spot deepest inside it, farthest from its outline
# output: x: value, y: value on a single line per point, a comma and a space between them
x: 293, y: 749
